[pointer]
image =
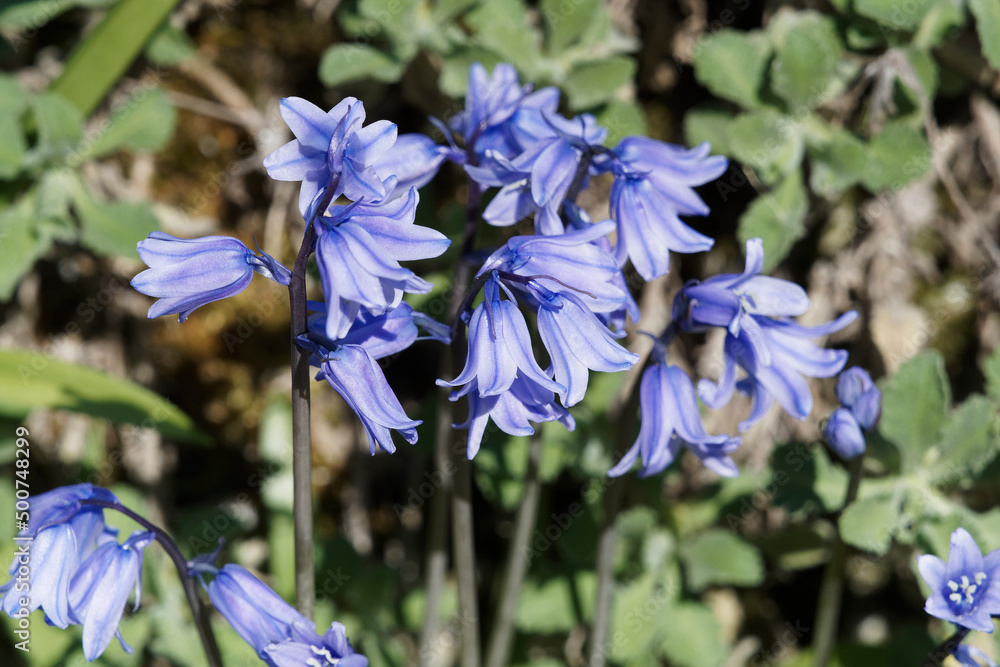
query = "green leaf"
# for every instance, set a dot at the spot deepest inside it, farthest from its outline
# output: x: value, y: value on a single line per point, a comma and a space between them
x: 12, y: 145
x: 13, y: 99
x: 987, y: 13
x: 897, y: 156
x: 112, y: 228
x: 731, y: 64
x: 591, y: 83
x: 903, y: 16
x: 143, y: 122
x: 916, y: 402
x: 692, y: 636
x: 106, y: 52
x: 32, y: 380
x: 720, y: 557
x: 968, y: 441
x: 870, y: 523
x: 638, y: 614
x: 502, y: 26
x: 548, y: 607
x: 836, y: 163
x: 776, y: 218
x: 170, y: 46
x: 622, y: 119
x: 566, y: 21
x: 446, y: 10
x: 20, y: 245
x: 940, y: 22
x: 769, y: 142
x: 342, y: 63
x: 60, y: 124
x: 709, y: 124
x: 807, y: 51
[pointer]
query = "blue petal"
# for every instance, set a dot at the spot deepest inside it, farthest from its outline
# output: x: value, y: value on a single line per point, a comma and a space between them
x: 310, y: 124
x: 851, y: 384
x: 295, y: 162
x: 844, y: 434
x: 369, y: 143
x: 867, y: 409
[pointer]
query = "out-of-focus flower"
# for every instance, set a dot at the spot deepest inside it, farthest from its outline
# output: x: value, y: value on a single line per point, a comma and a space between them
x: 670, y: 420
x: 332, y: 148
x: 761, y: 338
x: 862, y: 403
x: 188, y: 273
x: 966, y: 589
x: 971, y: 656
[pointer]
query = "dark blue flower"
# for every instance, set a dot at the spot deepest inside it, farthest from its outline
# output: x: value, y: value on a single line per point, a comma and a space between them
x: 358, y: 250
x: 332, y: 148
x: 761, y: 338
x: 965, y: 590
x: 670, y: 420
x: 281, y: 635
x: 862, y: 403
x: 188, y: 273
x: 102, y: 586
x: 653, y: 186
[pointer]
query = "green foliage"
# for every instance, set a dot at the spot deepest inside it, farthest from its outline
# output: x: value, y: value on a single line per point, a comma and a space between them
x: 777, y: 218
x: 32, y: 380
x: 987, y: 13
x: 807, y: 51
x: 692, y: 636
x: 915, y: 405
x: 732, y: 65
x: 720, y: 557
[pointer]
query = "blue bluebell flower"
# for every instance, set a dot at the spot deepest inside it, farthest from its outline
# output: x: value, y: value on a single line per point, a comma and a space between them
x: 538, y: 179
x: 490, y: 102
x: 358, y: 250
x: 102, y: 586
x: 413, y: 160
x: 188, y: 273
x: 671, y: 420
x: 64, y: 535
x: 761, y: 338
x: 349, y: 365
x: 972, y: 656
x: 499, y: 347
x: 862, y: 407
x: 966, y: 589
x: 652, y: 188
x: 281, y: 635
x: 332, y: 149
x: 513, y: 410
x: 578, y: 342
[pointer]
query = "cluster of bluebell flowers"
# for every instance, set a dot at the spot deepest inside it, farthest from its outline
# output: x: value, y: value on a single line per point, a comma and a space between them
x: 77, y: 571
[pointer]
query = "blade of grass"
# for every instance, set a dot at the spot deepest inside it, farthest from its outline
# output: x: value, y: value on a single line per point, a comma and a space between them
x: 103, y: 56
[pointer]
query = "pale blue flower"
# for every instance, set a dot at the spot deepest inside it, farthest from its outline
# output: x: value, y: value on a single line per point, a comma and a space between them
x: 966, y: 589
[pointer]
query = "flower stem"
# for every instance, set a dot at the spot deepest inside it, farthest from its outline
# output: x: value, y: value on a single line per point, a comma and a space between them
x: 305, y: 584
x: 832, y: 587
x: 518, y: 559
x: 198, y: 611
x: 936, y: 657
x: 454, y: 467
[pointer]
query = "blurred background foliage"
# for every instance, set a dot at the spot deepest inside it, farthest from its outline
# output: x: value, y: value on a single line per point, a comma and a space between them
x: 865, y: 145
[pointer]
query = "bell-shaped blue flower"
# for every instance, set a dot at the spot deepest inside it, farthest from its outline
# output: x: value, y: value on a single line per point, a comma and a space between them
x: 525, y: 401
x: 966, y: 589
x: 102, y: 586
x: 358, y: 250
x: 281, y: 635
x: 578, y: 342
x: 670, y: 420
x: 972, y: 656
x: 499, y: 347
x: 653, y: 186
x: 844, y: 434
x: 349, y: 365
x: 188, y: 273
x: 760, y: 338
x: 331, y: 148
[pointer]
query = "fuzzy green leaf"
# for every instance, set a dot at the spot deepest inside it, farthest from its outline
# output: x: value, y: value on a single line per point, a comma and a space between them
x: 731, y: 64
